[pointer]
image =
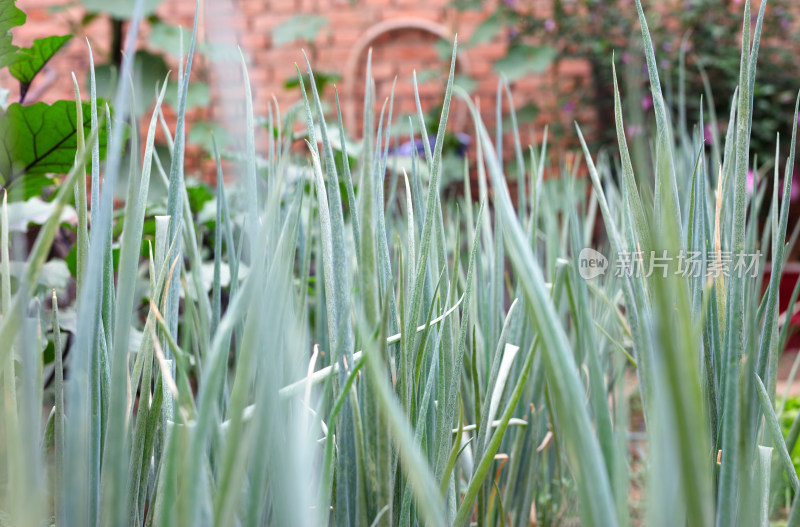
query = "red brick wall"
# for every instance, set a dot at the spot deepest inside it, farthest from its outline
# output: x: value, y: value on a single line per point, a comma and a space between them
x: 339, y: 47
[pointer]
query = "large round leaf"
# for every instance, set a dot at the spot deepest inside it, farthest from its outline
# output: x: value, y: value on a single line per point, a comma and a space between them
x: 34, y: 58
x: 41, y: 138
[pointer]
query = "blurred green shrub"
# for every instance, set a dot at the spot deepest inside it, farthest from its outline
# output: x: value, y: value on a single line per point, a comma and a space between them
x: 594, y: 29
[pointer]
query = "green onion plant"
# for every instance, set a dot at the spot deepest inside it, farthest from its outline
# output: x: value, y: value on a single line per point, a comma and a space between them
x: 382, y: 356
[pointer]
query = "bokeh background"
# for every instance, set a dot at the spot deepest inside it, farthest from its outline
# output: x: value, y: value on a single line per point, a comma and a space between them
x: 556, y: 55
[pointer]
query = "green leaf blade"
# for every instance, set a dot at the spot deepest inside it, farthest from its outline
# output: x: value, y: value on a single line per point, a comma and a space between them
x: 33, y: 59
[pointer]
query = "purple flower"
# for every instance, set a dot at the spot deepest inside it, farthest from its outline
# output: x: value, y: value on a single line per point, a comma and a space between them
x: 647, y: 102
x: 625, y: 57
x: 568, y: 107
x: 751, y: 180
x: 633, y: 130
x: 707, y: 136
x: 464, y: 141
x: 406, y: 148
x: 549, y: 24
x: 794, y: 192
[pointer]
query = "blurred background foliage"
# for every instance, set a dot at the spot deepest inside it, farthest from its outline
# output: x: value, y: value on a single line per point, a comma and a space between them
x: 705, y: 32
x: 709, y: 32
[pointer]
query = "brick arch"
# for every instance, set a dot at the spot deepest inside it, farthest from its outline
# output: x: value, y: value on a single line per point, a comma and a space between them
x: 379, y: 35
